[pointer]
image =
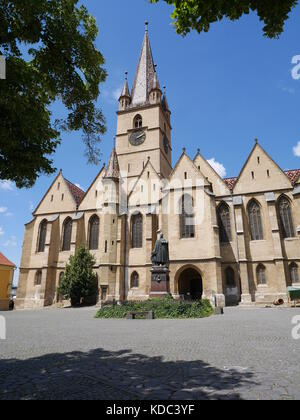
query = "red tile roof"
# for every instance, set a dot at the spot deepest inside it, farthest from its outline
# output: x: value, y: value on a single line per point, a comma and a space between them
x: 5, y: 261
x: 292, y: 174
x: 230, y: 182
x: 77, y: 193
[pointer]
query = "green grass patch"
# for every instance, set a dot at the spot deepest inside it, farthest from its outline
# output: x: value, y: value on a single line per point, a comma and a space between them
x: 166, y: 308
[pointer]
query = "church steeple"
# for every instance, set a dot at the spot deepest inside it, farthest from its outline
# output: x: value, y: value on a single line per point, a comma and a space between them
x: 145, y: 74
x: 125, y: 97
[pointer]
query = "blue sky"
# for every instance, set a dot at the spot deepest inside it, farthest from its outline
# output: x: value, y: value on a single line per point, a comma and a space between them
x: 224, y: 88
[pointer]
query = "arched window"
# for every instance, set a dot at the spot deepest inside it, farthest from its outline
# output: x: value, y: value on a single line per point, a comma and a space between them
x: 187, y: 221
x: 67, y: 234
x: 230, y: 277
x: 134, y: 284
x: 137, y: 231
x: 294, y: 273
x: 94, y: 233
x: 38, y: 278
x: 255, y: 222
x: 286, y: 218
x: 42, y: 236
x: 261, y: 275
x: 138, y: 122
x: 224, y: 223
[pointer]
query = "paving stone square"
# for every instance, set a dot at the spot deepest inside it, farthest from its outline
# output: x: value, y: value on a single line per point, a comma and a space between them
x: 67, y: 354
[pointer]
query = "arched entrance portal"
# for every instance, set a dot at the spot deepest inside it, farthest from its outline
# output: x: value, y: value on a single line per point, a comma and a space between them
x: 190, y: 284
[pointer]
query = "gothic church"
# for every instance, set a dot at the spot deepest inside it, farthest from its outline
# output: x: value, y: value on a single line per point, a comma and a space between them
x: 236, y: 240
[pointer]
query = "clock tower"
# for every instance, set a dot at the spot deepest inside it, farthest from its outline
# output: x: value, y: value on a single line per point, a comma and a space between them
x: 144, y: 126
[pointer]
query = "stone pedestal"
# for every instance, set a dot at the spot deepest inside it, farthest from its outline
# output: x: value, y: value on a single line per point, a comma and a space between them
x: 160, y: 281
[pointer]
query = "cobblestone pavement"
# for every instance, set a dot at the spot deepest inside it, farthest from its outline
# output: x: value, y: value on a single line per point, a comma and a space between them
x: 67, y: 354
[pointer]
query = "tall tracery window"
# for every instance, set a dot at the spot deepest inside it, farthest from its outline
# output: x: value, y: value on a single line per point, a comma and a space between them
x: 94, y: 233
x: 187, y: 220
x: 256, y: 228
x: 67, y: 234
x: 294, y: 273
x: 134, y: 280
x: 224, y: 223
x: 38, y: 278
x: 138, y: 122
x: 286, y: 218
x: 261, y: 275
x: 230, y: 277
x: 42, y: 236
x: 137, y: 231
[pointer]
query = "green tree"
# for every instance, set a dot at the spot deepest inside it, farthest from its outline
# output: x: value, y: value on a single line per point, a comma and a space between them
x: 79, y: 281
x: 50, y: 52
x: 200, y: 14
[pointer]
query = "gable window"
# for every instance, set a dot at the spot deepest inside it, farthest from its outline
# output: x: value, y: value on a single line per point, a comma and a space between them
x: 42, y: 236
x: 67, y: 234
x: 230, y: 277
x: 38, y: 278
x: 94, y: 233
x: 255, y: 222
x: 138, y: 122
x: 224, y: 223
x: 134, y: 284
x: 261, y: 275
x: 137, y: 231
x: 294, y: 273
x: 286, y: 218
x: 187, y: 221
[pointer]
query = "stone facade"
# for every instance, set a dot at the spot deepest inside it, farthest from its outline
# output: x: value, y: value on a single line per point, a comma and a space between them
x: 236, y: 241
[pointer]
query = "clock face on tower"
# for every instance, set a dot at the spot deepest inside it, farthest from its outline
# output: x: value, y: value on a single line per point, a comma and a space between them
x: 137, y: 138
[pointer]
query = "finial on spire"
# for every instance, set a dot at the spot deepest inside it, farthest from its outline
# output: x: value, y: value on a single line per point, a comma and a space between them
x: 146, y: 25
x: 256, y: 141
x: 126, y: 75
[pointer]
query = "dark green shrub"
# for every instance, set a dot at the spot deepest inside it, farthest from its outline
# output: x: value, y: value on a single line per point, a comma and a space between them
x: 166, y: 308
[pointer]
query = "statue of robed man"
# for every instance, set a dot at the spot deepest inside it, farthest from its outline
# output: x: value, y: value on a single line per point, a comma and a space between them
x: 160, y: 255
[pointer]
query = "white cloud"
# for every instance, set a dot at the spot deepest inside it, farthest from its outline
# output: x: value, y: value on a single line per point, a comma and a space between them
x: 1, y: 231
x: 79, y: 186
x: 218, y: 167
x: 117, y: 93
x: 296, y: 150
x: 6, y: 185
x: 11, y: 242
x: 3, y: 210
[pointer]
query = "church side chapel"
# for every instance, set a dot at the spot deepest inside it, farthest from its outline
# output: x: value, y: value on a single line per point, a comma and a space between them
x: 238, y: 244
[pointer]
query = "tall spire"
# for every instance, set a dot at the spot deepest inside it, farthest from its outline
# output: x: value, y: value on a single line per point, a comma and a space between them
x: 144, y: 78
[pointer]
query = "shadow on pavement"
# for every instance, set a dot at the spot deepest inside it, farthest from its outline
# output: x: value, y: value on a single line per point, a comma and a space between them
x: 123, y: 375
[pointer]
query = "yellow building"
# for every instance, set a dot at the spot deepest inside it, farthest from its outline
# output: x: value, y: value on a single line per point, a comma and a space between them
x: 6, y: 279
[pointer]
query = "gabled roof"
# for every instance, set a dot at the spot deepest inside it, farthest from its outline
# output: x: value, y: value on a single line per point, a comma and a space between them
x: 292, y: 174
x: 141, y: 175
x: 4, y: 261
x: 184, y: 155
x: 76, y: 192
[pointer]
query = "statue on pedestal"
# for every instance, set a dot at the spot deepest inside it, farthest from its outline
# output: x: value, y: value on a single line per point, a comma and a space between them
x: 160, y: 255
x: 160, y: 280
